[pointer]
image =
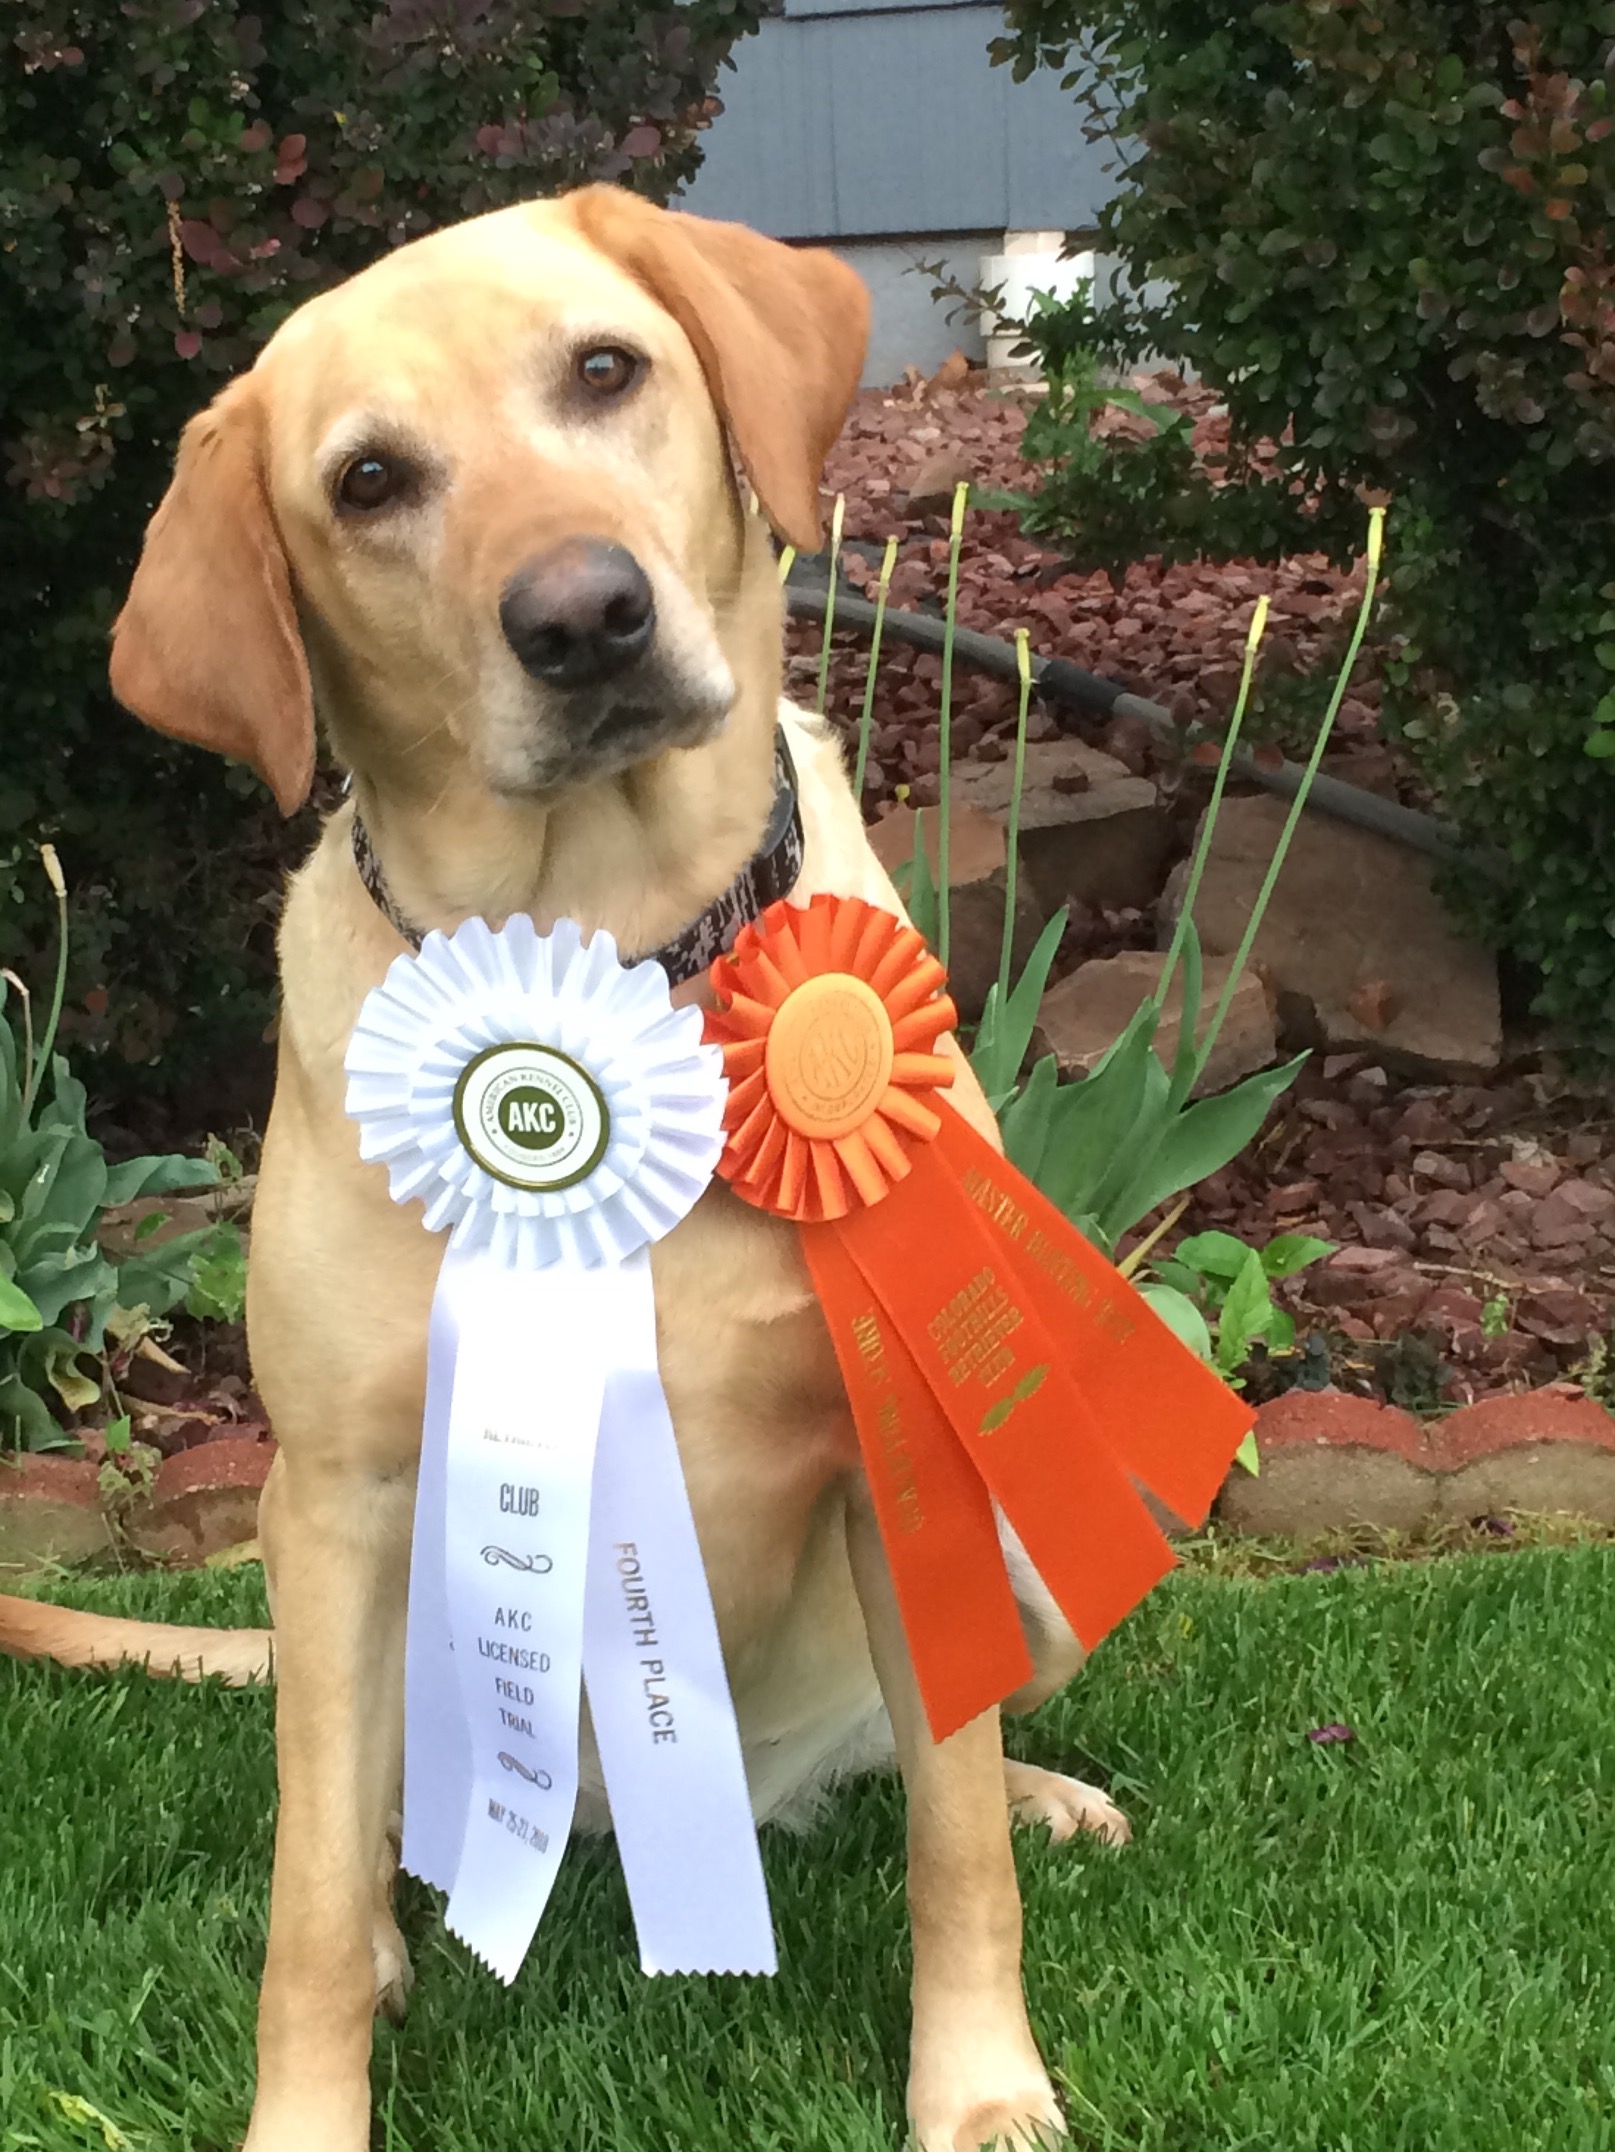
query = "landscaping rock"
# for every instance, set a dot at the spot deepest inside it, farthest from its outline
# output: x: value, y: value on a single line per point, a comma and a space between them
x: 50, y: 1511
x: 1089, y: 829
x: 1085, y: 1013
x: 931, y: 489
x: 1539, y: 1452
x: 1515, y: 1422
x: 977, y: 856
x: 1330, y: 1461
x: 1356, y: 945
x: 203, y: 1500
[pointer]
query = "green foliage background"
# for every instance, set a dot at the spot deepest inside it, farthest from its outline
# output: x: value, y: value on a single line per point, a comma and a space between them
x: 1383, y: 229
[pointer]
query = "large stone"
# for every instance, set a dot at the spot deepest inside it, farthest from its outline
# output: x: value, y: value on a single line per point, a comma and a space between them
x: 1089, y: 828
x: 1085, y: 1013
x: 977, y: 855
x: 1356, y: 946
x: 1531, y: 1451
x: 119, y: 1230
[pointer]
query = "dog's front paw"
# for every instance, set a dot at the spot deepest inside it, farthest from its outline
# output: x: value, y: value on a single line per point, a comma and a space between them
x: 976, y: 2082
x: 1066, y: 1805
x: 1009, y: 2121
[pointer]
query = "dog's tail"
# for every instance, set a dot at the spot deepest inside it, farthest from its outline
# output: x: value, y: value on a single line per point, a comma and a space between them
x: 32, y: 1629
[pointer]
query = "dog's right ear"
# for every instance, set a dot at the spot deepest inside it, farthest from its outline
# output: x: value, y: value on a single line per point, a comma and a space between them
x: 779, y: 331
x: 207, y: 646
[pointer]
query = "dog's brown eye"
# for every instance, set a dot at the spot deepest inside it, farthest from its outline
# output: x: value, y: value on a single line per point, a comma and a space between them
x: 372, y: 481
x: 607, y: 370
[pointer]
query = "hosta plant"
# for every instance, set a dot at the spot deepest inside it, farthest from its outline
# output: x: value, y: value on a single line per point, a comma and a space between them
x: 60, y: 1294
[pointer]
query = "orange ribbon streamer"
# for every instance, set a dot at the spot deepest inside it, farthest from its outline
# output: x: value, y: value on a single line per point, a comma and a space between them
x: 991, y: 1355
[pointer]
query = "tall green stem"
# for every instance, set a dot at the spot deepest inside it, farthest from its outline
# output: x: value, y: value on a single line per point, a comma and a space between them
x: 837, y: 518
x: 1012, y: 854
x: 961, y: 493
x: 866, y: 720
x: 40, y: 1062
x: 1208, y: 822
x: 1376, y: 540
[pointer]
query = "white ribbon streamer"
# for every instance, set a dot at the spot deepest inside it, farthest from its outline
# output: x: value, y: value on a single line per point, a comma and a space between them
x: 663, y: 1722
x: 557, y: 1114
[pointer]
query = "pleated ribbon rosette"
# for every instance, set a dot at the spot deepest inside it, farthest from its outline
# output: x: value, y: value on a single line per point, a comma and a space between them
x: 994, y: 1360
x: 555, y: 1115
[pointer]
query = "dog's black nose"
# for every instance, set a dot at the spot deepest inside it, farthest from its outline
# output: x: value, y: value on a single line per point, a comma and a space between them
x: 578, y: 613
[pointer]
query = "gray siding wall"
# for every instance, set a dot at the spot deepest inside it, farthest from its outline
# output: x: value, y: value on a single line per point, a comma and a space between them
x: 852, y: 119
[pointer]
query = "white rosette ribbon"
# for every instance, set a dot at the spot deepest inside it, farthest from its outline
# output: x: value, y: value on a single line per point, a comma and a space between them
x: 555, y: 1114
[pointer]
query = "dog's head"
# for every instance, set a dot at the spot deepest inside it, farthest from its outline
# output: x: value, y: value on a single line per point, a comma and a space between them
x: 480, y: 499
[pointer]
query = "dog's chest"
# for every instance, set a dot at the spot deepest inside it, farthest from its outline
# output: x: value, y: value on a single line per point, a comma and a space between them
x: 756, y: 1397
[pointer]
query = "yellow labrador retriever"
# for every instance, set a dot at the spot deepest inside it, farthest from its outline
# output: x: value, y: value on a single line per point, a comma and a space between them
x: 478, y: 510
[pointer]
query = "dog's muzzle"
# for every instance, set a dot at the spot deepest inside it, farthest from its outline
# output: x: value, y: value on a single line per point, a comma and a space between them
x: 580, y: 614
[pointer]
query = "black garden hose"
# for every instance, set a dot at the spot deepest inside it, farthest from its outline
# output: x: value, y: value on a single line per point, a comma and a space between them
x: 1058, y: 681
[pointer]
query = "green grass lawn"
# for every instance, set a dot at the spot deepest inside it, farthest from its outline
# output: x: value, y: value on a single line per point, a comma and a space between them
x: 1406, y: 1941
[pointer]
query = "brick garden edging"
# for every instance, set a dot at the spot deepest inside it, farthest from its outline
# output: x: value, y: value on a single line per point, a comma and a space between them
x: 202, y: 1501
x: 1331, y: 1461
x: 50, y: 1511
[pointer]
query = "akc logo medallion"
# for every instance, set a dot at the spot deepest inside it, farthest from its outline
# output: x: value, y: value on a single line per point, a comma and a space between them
x: 531, y: 1116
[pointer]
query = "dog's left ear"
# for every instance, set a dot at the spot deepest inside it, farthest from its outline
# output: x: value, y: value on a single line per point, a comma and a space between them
x: 207, y: 645
x: 780, y: 332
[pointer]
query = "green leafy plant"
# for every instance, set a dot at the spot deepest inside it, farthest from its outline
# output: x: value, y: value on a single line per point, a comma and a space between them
x: 175, y: 176
x: 1117, y: 497
x: 1216, y: 1292
x: 217, y: 1291
x: 59, y: 1291
x: 1386, y: 236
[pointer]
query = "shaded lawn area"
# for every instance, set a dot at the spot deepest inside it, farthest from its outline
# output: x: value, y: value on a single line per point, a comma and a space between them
x: 1405, y: 1941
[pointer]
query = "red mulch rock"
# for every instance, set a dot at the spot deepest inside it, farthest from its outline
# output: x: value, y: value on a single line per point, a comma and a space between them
x: 1489, y: 1305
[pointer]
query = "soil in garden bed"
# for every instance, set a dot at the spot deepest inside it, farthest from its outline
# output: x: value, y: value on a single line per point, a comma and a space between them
x: 1173, y: 634
x: 207, y: 1396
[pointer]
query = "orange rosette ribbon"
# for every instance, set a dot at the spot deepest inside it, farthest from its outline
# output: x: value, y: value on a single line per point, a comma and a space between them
x: 991, y: 1355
